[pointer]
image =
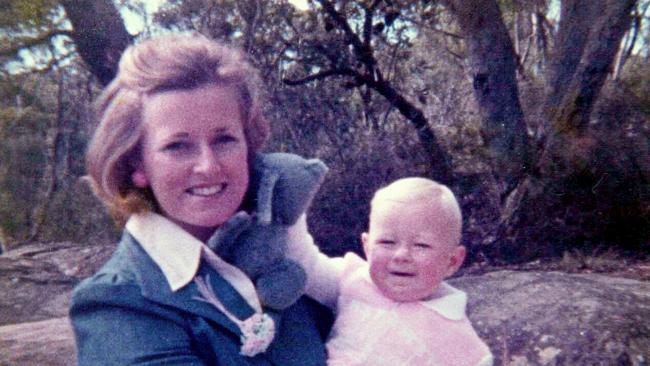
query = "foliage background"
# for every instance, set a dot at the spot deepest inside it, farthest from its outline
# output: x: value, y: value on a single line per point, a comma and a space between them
x: 592, y: 196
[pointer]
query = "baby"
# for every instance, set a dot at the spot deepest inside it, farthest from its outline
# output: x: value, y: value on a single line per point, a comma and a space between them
x: 395, y: 308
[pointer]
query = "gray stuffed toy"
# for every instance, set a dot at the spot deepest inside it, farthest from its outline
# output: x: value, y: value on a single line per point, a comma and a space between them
x: 285, y: 185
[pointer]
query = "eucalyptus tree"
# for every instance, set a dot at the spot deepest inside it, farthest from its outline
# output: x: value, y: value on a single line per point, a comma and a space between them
x: 46, y: 113
x: 344, y: 75
x: 526, y: 148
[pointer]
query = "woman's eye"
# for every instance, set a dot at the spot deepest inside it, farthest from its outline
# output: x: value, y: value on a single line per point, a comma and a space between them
x: 225, y: 139
x: 175, y: 146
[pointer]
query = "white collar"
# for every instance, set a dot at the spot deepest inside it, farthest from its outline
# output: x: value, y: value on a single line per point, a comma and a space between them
x: 178, y: 254
x: 448, y: 301
x: 174, y: 250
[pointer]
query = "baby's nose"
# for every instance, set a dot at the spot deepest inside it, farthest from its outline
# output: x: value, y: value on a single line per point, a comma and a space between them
x: 402, y: 252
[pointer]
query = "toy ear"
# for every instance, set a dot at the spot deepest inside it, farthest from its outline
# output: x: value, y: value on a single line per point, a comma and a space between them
x: 301, y: 188
x: 265, y: 196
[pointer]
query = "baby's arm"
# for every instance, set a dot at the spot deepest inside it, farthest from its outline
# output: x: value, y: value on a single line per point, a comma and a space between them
x: 323, y: 272
x: 488, y: 360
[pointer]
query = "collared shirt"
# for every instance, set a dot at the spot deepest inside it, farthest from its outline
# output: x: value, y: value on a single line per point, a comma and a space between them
x: 371, y: 329
x: 178, y: 254
x: 447, y: 301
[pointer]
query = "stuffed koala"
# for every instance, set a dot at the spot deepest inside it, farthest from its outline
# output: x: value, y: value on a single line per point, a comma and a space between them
x: 285, y: 185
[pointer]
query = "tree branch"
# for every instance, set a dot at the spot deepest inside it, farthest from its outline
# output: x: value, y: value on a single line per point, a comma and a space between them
x: 363, y: 51
x: 55, y: 61
x: 367, y: 23
x: 625, y: 54
x: 27, y: 42
x: 440, y: 161
x: 321, y: 75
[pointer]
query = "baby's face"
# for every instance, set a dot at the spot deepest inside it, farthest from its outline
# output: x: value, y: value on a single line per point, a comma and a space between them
x: 410, y: 249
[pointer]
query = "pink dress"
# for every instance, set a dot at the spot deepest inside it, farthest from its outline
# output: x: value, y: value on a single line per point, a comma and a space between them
x: 371, y: 329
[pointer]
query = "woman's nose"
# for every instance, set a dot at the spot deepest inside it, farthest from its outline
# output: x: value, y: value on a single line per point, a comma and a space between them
x: 207, y: 161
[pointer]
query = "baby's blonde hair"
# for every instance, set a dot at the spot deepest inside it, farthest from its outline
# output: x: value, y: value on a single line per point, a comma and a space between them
x: 422, y: 190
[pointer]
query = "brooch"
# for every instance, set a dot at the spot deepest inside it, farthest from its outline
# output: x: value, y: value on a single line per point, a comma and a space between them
x: 257, y: 331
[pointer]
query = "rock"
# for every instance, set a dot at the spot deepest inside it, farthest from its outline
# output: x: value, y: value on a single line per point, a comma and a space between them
x: 45, y: 342
x: 554, y: 318
x: 527, y: 318
x: 36, y: 279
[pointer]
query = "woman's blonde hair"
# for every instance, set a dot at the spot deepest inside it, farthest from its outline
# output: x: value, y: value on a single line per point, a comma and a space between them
x: 170, y: 62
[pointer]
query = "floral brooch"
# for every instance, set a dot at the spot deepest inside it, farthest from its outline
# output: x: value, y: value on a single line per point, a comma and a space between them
x: 257, y: 331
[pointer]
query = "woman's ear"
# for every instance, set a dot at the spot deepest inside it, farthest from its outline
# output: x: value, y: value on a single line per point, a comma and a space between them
x: 139, y: 179
x: 456, y: 259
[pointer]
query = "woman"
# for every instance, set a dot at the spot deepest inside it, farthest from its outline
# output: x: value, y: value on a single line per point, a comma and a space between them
x: 179, y: 127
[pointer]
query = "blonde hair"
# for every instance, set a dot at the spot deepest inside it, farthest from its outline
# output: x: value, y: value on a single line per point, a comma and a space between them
x: 422, y: 190
x: 170, y: 62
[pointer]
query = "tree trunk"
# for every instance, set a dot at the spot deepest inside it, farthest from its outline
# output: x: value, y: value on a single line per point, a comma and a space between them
x: 586, y: 44
x: 576, y: 20
x: 494, y: 64
x: 99, y: 34
x: 583, y: 56
x: 49, y: 180
x: 439, y: 159
x: 578, y: 80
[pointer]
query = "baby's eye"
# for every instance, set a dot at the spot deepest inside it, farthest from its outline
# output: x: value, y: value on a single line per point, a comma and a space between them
x: 423, y: 245
x: 386, y: 242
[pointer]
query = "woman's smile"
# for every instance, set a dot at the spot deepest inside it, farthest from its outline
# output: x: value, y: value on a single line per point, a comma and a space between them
x: 206, y: 191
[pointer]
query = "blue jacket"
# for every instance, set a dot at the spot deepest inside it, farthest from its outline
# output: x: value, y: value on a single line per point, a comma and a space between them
x: 126, y: 314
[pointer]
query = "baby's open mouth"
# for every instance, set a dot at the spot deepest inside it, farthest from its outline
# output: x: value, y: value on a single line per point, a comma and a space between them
x: 402, y: 274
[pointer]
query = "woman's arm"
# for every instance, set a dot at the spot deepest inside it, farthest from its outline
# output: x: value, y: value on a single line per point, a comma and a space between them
x: 114, y: 325
x: 323, y: 272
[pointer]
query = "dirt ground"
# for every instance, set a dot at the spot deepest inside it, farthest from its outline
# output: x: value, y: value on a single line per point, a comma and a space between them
x: 606, y: 263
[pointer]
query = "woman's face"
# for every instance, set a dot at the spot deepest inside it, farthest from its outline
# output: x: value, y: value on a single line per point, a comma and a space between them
x: 194, y: 156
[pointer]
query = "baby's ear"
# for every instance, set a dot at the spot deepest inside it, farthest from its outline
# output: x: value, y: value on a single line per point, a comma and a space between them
x: 365, y: 244
x: 456, y: 259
